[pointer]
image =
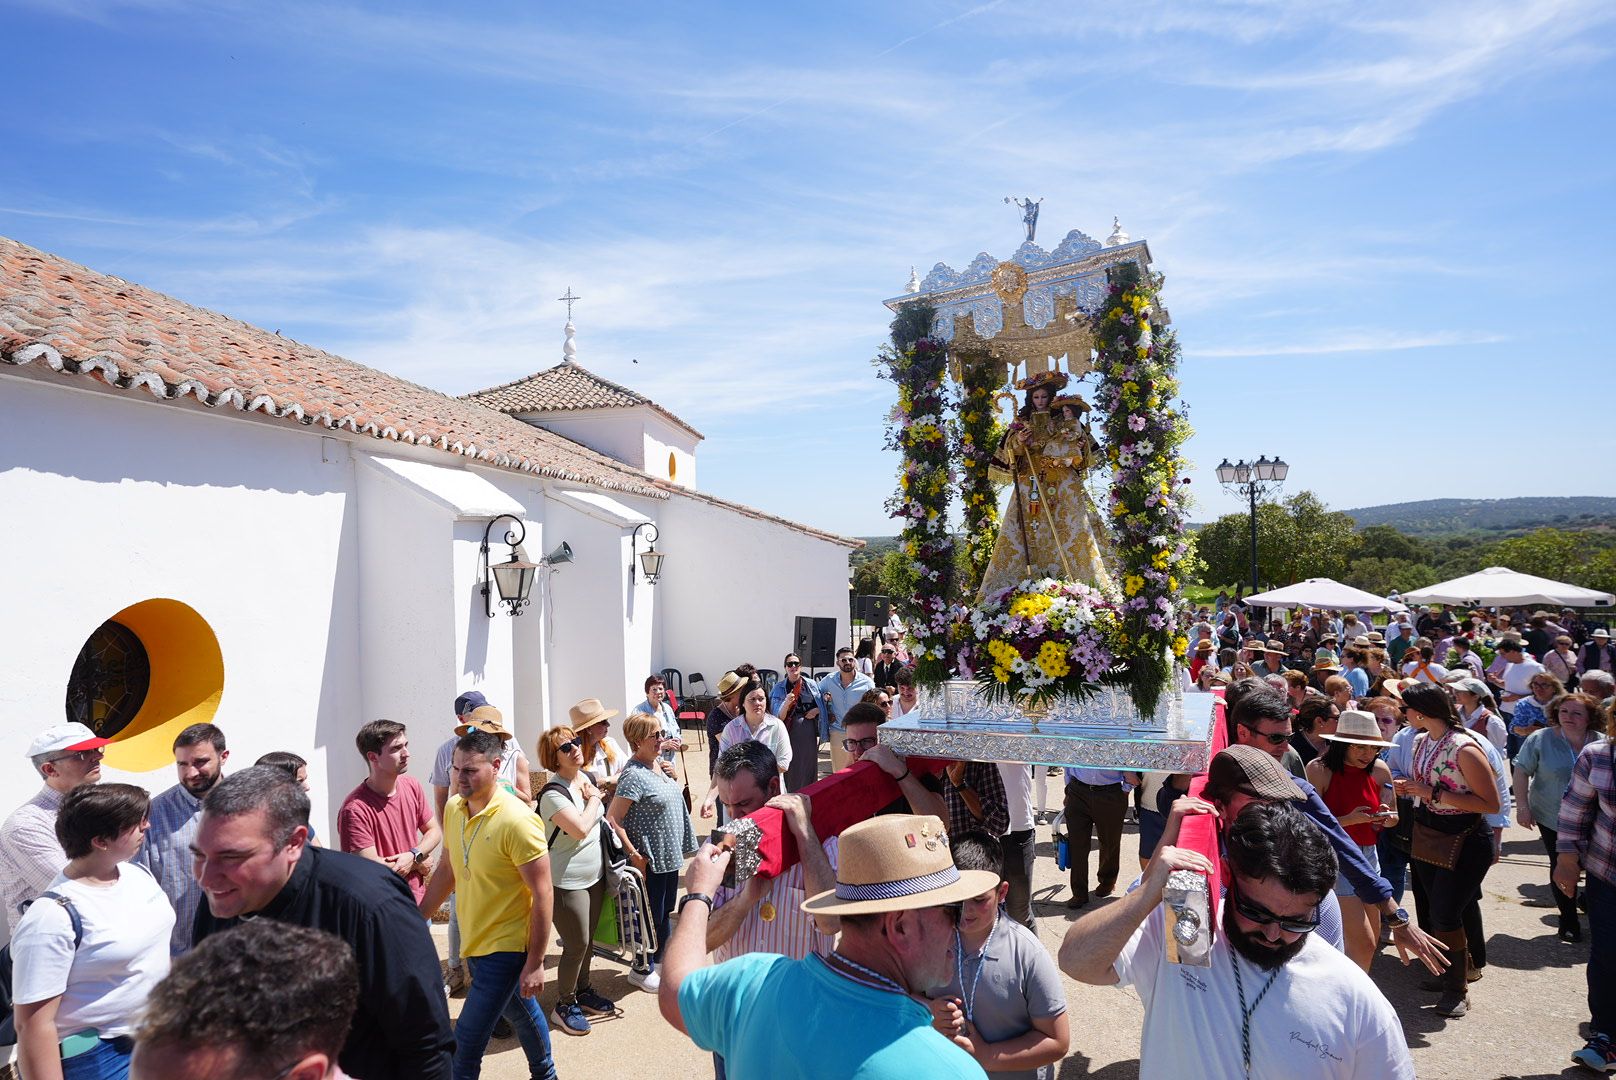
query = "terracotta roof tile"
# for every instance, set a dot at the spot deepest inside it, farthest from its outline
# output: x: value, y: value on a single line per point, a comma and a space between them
x: 564, y: 388
x: 76, y: 321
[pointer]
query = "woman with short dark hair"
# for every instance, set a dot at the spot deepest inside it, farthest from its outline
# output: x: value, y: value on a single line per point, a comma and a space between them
x: 88, y: 952
x: 1455, y: 789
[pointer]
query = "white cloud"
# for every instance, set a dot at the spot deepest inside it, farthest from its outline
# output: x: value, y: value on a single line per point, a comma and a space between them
x: 1349, y: 341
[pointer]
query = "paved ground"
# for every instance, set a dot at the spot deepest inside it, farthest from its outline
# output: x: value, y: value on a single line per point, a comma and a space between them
x: 1523, y: 1024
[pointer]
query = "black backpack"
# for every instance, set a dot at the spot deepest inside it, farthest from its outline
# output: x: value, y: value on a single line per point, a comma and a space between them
x: 8, y: 1021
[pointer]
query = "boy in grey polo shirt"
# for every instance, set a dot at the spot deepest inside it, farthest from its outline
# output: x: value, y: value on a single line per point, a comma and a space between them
x: 1005, y: 1004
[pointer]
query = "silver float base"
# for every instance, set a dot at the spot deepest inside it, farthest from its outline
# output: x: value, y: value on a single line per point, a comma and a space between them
x: 1104, y: 732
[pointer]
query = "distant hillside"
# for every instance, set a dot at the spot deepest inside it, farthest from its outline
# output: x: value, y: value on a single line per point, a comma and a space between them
x: 1467, y: 515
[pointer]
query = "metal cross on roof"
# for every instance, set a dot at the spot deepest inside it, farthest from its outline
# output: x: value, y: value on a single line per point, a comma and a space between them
x: 569, y: 299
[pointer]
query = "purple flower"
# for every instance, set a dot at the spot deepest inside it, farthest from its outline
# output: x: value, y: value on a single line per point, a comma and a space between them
x: 1136, y: 422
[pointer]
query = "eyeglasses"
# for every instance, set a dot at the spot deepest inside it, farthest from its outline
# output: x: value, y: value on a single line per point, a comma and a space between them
x: 1254, y: 912
x: 569, y: 746
x: 1274, y: 737
x: 93, y: 754
x: 888, y: 652
x: 858, y: 746
x: 793, y: 663
x: 885, y: 703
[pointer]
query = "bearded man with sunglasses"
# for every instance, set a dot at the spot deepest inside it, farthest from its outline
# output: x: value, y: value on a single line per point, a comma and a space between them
x: 1276, y: 1002
x: 1259, y: 717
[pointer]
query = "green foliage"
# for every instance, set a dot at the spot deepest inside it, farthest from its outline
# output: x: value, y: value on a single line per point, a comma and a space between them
x: 1385, y: 542
x: 1296, y: 539
x: 1382, y: 576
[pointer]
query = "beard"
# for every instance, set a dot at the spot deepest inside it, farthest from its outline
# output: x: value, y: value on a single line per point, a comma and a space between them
x: 201, y: 784
x: 1255, y: 947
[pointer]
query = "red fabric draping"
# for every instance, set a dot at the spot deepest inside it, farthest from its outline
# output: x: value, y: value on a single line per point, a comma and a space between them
x: 1200, y: 833
x: 839, y: 800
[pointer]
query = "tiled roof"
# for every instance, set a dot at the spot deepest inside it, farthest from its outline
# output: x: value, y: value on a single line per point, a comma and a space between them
x: 76, y: 321
x: 563, y: 388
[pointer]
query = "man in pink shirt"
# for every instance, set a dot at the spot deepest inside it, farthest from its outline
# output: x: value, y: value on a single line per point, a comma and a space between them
x: 387, y: 817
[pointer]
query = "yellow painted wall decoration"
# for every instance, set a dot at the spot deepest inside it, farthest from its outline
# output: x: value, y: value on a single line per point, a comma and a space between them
x: 187, y: 681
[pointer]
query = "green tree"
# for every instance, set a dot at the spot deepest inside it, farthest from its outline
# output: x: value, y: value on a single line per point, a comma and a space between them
x: 1385, y: 542
x: 1382, y: 576
x: 1296, y: 539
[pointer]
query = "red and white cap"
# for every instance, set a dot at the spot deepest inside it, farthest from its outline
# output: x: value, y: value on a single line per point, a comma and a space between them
x: 63, y: 739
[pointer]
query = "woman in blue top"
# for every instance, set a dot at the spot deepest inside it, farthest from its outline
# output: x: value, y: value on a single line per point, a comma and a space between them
x: 1542, y: 771
x: 656, y: 704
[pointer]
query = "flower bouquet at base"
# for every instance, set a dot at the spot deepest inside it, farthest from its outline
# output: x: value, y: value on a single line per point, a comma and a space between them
x: 1040, y: 641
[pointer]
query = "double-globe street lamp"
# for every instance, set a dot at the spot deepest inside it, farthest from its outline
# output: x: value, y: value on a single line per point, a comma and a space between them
x: 1253, y: 480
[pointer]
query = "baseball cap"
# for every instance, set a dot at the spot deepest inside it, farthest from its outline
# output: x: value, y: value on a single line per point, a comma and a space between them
x: 63, y: 739
x: 471, y: 699
x: 1246, y: 768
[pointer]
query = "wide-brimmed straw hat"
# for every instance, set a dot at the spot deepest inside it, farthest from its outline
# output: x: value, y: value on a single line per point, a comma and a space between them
x: 1275, y: 647
x: 897, y: 862
x: 1394, y: 687
x: 588, y: 713
x: 1358, y: 728
x: 730, y: 683
x: 484, y: 718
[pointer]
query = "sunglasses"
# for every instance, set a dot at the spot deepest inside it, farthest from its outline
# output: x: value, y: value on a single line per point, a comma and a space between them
x: 1274, y: 737
x: 858, y: 746
x: 1254, y: 912
x: 570, y: 745
x: 793, y: 663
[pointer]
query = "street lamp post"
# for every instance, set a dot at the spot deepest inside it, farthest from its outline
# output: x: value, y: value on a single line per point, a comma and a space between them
x: 1253, y: 479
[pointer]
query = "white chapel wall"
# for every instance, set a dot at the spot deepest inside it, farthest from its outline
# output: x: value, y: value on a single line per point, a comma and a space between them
x: 113, y: 499
x: 733, y: 585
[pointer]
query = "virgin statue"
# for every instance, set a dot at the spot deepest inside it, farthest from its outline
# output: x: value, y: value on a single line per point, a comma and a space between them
x: 1051, y: 528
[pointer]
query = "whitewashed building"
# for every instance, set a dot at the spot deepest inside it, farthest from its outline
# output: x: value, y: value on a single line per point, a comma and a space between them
x: 207, y: 521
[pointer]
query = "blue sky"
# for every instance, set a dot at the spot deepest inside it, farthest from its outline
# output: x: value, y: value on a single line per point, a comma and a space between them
x: 1386, y: 227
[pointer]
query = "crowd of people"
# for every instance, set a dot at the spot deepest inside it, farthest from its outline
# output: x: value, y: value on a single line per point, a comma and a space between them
x: 205, y: 930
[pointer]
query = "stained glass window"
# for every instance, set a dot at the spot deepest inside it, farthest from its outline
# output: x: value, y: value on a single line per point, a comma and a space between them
x: 109, y: 680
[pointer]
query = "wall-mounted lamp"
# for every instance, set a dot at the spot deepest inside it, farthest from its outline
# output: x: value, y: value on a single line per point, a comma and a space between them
x: 651, y: 558
x: 514, y: 577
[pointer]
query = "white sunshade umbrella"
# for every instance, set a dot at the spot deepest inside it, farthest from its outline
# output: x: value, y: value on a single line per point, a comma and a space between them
x: 1499, y: 586
x: 1323, y: 592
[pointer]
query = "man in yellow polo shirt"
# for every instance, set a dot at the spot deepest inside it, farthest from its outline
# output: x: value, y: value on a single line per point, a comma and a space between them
x: 495, y: 856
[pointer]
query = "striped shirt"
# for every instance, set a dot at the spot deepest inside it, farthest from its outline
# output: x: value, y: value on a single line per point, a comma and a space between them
x: 791, y: 932
x: 30, y: 854
x: 175, y: 815
x: 1588, y: 812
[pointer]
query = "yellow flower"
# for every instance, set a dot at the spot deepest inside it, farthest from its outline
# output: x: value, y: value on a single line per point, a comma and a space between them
x: 1181, y: 645
x: 1172, y: 583
x: 1030, y: 605
x: 1001, y: 673
x: 1132, y: 584
x: 1160, y: 559
x: 1130, y: 387
x: 1120, y: 510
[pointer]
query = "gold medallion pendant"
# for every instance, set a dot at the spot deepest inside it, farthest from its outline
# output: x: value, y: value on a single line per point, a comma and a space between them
x: 767, y: 911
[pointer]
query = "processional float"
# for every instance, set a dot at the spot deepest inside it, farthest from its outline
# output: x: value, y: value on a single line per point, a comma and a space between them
x: 1059, y: 644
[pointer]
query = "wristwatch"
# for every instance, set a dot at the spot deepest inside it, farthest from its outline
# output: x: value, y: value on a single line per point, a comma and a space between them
x: 1397, y: 919
x: 703, y: 897
x: 417, y: 853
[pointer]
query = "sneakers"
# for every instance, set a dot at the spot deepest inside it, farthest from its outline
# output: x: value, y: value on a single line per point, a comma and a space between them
x: 649, y: 981
x: 569, y: 1018
x: 1570, y: 930
x: 1598, y: 1055
x: 593, y: 1004
x: 454, y: 981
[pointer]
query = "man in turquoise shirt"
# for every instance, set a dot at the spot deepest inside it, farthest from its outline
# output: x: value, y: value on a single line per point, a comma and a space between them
x: 850, y: 1014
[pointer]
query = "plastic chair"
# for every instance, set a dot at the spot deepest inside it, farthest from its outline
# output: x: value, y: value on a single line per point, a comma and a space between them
x: 695, y: 708
x: 674, y: 681
x: 769, y: 677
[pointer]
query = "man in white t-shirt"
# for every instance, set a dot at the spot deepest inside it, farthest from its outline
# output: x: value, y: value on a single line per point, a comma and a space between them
x: 1276, y: 1002
x: 1515, y: 683
x: 1017, y: 844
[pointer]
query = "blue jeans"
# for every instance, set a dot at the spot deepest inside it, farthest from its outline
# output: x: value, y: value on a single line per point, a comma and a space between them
x: 108, y: 1061
x: 492, y: 993
x: 1601, y: 954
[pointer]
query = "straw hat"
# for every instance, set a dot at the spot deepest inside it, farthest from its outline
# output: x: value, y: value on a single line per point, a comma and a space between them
x: 1205, y: 645
x: 1358, y: 728
x: 587, y: 713
x: 484, y: 718
x: 730, y: 683
x: 1376, y: 638
x: 1275, y: 647
x: 1394, y: 687
x: 897, y: 862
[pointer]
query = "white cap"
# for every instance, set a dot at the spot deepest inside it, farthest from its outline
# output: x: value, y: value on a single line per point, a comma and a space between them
x: 64, y: 738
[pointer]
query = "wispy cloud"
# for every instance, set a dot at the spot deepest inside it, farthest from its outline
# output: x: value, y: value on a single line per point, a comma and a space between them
x: 1350, y: 341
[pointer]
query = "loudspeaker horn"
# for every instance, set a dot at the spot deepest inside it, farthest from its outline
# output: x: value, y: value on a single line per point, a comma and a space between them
x: 561, y: 554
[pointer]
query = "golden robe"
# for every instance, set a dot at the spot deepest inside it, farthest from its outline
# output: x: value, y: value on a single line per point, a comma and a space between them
x: 1048, y: 459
